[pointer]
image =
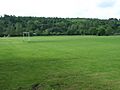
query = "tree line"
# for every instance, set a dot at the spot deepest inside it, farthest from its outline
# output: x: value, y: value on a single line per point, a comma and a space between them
x: 15, y: 26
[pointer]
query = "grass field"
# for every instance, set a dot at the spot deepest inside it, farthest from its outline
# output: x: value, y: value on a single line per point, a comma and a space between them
x: 60, y: 63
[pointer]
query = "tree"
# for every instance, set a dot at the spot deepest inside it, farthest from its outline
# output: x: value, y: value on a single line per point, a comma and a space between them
x: 92, y: 31
x: 56, y: 26
x: 100, y: 31
x: 108, y: 30
x: 19, y: 29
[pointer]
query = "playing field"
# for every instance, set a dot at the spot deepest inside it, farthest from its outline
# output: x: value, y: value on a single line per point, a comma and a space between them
x: 60, y: 63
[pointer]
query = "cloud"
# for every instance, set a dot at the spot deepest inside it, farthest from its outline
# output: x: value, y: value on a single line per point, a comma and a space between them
x: 107, y: 3
x: 61, y: 8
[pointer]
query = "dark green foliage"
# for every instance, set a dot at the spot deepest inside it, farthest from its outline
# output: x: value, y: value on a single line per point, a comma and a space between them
x: 15, y: 26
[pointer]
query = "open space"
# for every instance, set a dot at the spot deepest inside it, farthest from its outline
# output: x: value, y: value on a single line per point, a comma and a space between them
x: 60, y: 63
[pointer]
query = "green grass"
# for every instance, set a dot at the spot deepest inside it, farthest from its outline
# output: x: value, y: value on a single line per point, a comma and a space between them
x: 60, y: 63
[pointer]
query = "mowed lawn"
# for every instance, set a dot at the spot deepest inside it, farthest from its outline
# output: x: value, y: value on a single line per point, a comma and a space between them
x: 60, y: 63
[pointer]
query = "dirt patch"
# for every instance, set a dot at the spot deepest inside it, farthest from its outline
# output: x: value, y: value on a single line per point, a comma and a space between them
x: 36, y: 86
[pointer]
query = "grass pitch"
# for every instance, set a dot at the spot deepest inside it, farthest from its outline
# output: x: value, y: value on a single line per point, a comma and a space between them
x: 60, y: 63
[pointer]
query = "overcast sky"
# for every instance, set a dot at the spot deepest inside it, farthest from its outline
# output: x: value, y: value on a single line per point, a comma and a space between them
x: 102, y: 9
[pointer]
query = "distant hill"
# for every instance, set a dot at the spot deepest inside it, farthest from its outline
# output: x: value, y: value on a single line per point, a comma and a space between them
x: 15, y: 26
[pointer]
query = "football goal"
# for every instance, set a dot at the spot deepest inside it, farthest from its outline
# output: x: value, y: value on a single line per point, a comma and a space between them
x: 26, y: 36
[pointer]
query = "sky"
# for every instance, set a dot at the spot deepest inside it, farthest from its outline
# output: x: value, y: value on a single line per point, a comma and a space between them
x: 102, y: 9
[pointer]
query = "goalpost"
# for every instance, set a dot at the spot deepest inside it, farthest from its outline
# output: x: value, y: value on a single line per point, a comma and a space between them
x: 26, y: 36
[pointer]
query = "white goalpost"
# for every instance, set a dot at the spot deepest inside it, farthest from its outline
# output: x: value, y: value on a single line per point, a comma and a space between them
x: 26, y: 36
